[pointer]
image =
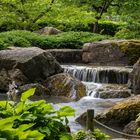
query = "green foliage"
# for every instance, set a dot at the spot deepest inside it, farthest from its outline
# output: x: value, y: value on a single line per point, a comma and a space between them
x: 33, y: 120
x: 100, y: 135
x: 72, y: 40
x: 23, y: 14
x: 86, y: 135
x: 138, y: 121
x: 68, y: 18
x: 131, y: 30
x: 108, y: 27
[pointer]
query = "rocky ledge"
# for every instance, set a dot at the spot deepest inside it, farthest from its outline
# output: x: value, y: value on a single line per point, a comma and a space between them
x: 67, y: 55
x: 26, y: 65
x: 112, y: 52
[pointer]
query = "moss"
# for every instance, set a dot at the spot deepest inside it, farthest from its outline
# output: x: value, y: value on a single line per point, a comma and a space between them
x: 131, y: 49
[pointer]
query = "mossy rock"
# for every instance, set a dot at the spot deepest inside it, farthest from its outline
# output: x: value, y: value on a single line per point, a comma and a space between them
x: 65, y: 85
x: 121, y: 113
x: 112, y: 52
x: 132, y: 49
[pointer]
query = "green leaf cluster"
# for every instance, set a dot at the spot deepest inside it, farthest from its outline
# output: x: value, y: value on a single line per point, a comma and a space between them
x: 87, y: 135
x: 23, y: 14
x: 33, y: 120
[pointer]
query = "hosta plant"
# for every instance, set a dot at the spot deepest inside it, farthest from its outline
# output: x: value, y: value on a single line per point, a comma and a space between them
x: 28, y: 120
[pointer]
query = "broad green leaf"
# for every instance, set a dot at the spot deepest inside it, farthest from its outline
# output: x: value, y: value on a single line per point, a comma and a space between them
x: 35, y: 134
x: 24, y: 127
x: 45, y: 130
x: 65, y: 137
x: 27, y: 94
x: 6, y: 104
x: 46, y: 108
x: 66, y: 111
x: 27, y: 116
x: 19, y: 107
x: 7, y: 124
x: 30, y: 104
x: 7, y: 120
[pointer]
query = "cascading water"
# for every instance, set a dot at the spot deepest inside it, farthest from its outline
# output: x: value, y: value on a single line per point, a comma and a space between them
x: 98, y: 79
x: 110, y: 79
x: 116, y: 75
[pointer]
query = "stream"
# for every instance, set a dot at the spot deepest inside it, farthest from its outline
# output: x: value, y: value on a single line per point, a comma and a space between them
x: 110, y: 79
x: 96, y: 80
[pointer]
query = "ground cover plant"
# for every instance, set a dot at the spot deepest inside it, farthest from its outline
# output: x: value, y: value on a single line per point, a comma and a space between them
x: 72, y: 40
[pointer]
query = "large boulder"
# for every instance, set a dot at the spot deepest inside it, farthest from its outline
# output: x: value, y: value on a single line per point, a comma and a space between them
x: 65, y: 85
x: 49, y: 31
x: 121, y: 113
x: 135, y: 78
x: 26, y: 65
x: 67, y: 55
x: 112, y: 52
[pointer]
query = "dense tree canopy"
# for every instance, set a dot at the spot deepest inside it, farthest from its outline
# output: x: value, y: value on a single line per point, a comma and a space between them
x: 117, y: 7
x: 67, y: 14
x: 24, y: 12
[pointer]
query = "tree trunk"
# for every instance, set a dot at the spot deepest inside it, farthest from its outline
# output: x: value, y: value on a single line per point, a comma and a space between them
x: 95, y: 27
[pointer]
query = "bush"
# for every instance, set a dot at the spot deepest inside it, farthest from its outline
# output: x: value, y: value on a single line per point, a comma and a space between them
x: 71, y: 40
x: 127, y: 34
x: 108, y: 27
x: 2, y: 44
x: 37, y: 120
x: 87, y: 135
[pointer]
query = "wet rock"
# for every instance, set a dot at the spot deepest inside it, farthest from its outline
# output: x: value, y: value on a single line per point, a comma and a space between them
x: 82, y: 119
x: 48, y: 31
x: 112, y: 52
x: 131, y: 128
x: 66, y: 85
x: 113, y: 94
x: 121, y: 113
x: 26, y: 65
x: 113, y: 91
x: 135, y: 78
x: 67, y: 55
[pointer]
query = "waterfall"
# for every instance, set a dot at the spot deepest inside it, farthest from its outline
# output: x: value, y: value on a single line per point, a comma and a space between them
x: 113, y: 75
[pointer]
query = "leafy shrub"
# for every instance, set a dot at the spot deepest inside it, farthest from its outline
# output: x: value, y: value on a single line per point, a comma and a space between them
x: 108, y: 27
x: 87, y: 135
x: 72, y: 40
x: 127, y: 34
x: 38, y: 120
x: 2, y: 44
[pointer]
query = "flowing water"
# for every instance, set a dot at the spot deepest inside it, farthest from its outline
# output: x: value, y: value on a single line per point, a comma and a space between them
x: 95, y: 79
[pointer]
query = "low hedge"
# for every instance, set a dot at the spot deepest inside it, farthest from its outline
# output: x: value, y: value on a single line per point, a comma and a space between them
x: 72, y: 40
